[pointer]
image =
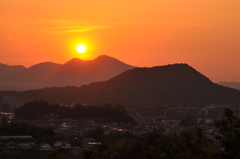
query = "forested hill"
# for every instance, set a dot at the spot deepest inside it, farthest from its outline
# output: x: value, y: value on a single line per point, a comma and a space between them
x: 171, y: 84
x: 37, y: 109
x: 177, y: 84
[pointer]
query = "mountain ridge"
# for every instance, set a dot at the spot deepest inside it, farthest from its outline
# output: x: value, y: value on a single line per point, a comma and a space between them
x: 173, y: 85
x: 235, y: 85
x: 74, y: 72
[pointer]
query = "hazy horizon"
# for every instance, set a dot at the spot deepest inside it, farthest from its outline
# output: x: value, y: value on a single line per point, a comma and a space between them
x: 97, y: 57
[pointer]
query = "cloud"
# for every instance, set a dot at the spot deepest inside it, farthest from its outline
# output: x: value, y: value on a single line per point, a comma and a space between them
x: 52, y: 26
x: 182, y: 23
x: 58, y: 26
x: 76, y: 28
x: 68, y: 26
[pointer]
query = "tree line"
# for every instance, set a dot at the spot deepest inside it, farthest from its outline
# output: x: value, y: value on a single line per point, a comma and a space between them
x: 37, y: 109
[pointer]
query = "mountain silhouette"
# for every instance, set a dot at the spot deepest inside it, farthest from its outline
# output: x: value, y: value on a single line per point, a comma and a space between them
x: 176, y: 85
x: 235, y: 85
x: 171, y: 84
x: 72, y: 73
x: 6, y: 70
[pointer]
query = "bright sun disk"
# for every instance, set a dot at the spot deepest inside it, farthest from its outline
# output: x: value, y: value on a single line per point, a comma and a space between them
x: 81, y: 48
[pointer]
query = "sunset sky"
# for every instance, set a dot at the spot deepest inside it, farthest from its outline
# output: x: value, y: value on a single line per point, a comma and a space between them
x: 202, y: 33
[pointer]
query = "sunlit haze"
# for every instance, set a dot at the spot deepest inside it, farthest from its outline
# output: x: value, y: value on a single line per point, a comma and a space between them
x: 204, y: 34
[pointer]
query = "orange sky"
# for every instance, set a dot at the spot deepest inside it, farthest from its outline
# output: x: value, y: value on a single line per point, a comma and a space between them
x: 203, y: 33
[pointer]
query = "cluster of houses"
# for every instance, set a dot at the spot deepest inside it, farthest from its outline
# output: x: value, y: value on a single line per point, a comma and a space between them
x: 173, y: 115
x: 24, y: 144
x: 73, y: 132
x: 16, y: 144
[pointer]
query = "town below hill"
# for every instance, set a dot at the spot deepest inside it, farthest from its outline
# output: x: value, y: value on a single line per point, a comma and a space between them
x: 38, y: 134
x: 170, y: 111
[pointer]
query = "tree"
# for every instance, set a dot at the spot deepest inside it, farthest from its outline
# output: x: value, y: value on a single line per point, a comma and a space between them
x: 53, y: 154
x: 229, y: 126
x: 88, y: 154
x: 152, y: 152
x: 4, y: 155
x: 101, y: 148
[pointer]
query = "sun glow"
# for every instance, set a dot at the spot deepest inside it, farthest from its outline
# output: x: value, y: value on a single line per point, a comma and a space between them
x: 81, y: 48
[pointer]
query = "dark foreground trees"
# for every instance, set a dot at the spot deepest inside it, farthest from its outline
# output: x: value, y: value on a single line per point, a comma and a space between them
x: 229, y: 126
x: 157, y: 145
x: 154, y: 145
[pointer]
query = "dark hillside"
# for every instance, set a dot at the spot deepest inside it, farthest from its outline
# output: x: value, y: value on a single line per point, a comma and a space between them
x: 171, y: 84
x: 177, y: 84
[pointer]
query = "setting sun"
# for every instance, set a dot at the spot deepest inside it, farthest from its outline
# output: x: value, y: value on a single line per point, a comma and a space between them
x: 81, y: 48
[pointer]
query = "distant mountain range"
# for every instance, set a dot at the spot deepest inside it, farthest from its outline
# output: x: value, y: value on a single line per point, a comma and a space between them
x: 75, y: 72
x: 235, y: 85
x: 176, y: 85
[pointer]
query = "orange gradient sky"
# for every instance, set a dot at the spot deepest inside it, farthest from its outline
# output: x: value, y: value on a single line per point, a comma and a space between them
x: 203, y: 33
